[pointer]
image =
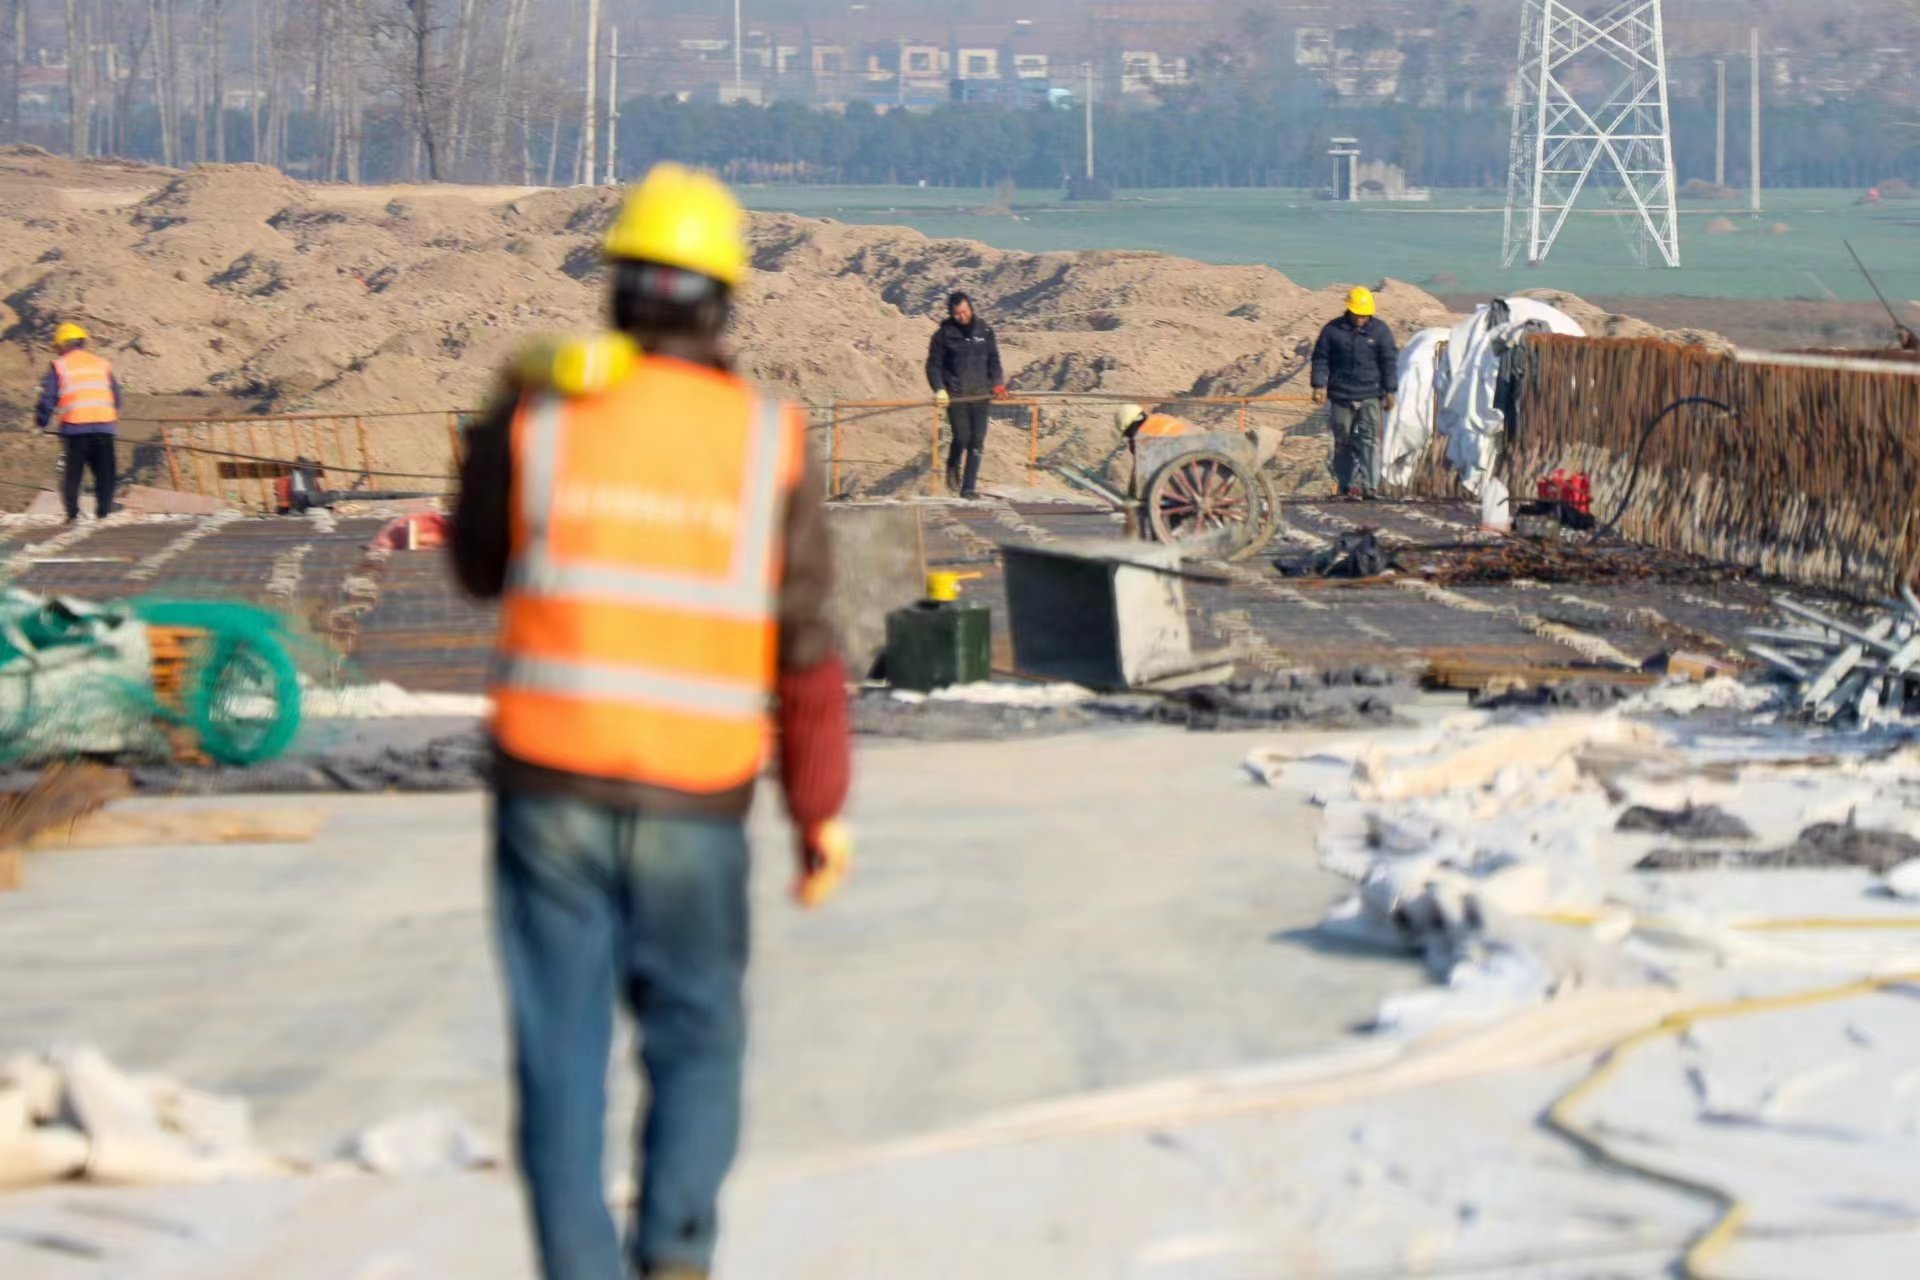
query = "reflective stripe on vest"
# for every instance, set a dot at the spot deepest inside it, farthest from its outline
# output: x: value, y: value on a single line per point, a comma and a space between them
x: 638, y: 635
x: 86, y: 389
x: 746, y: 590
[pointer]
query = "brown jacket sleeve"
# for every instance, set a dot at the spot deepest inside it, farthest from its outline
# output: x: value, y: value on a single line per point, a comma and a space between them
x: 479, y: 544
x: 806, y: 633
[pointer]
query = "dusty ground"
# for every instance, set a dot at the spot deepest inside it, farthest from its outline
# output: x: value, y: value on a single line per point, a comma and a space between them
x: 1005, y: 941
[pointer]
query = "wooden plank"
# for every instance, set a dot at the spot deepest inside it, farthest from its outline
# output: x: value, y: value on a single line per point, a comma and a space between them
x: 145, y: 828
x: 1480, y: 675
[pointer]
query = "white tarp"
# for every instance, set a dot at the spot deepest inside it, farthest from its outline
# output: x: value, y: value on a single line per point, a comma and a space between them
x: 1447, y: 382
x: 1410, y: 423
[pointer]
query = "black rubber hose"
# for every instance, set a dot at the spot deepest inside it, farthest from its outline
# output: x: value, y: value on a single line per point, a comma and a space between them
x: 1646, y: 433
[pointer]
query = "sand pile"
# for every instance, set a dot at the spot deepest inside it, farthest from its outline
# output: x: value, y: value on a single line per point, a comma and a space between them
x: 238, y: 281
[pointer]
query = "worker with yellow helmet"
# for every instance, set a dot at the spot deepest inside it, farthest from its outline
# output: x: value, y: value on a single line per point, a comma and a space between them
x: 653, y: 529
x: 1355, y: 367
x: 80, y: 396
x: 1134, y: 423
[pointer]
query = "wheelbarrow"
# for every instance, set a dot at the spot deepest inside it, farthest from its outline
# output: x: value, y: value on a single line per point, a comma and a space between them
x: 1205, y: 494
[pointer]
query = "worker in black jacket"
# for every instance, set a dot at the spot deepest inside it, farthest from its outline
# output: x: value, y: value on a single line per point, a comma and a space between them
x: 1355, y: 365
x: 963, y: 368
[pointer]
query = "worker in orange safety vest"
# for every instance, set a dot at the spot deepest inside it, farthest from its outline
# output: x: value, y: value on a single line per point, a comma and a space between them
x: 653, y: 529
x: 81, y: 397
x: 1134, y: 423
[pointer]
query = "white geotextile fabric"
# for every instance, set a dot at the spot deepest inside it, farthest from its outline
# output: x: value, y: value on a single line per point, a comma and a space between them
x: 1468, y: 377
x: 72, y: 1114
x: 1474, y: 844
x: 1409, y: 425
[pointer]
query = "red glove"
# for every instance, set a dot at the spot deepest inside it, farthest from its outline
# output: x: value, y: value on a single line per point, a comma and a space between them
x: 1000, y: 392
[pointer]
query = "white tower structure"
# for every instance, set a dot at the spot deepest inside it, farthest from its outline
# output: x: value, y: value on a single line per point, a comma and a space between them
x: 1590, y: 103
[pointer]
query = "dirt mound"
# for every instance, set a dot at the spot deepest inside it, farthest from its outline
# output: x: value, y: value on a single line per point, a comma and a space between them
x: 1598, y: 322
x: 239, y: 281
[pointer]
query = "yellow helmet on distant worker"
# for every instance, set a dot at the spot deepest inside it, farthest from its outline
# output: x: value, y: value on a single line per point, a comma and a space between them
x: 685, y: 218
x: 67, y: 333
x: 1126, y: 416
x: 1360, y: 300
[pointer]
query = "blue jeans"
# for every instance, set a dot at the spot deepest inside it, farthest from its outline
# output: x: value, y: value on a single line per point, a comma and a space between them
x: 586, y: 896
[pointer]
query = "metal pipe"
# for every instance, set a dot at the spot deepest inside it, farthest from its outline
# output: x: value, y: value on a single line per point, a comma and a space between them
x: 1854, y: 634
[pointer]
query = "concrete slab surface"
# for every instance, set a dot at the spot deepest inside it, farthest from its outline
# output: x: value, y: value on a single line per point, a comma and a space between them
x: 1029, y: 920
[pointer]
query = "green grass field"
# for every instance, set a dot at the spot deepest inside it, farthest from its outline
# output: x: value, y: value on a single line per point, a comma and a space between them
x: 1318, y: 243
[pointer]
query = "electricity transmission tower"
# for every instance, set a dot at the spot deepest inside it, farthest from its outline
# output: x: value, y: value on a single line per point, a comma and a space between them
x: 1590, y: 103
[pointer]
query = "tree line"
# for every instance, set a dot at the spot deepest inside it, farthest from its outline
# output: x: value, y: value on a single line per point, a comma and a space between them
x: 493, y: 90
x: 1232, y: 142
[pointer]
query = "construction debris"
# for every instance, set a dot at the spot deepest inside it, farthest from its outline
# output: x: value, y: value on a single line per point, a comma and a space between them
x: 1357, y: 698
x: 1824, y: 844
x: 1689, y: 822
x: 1863, y: 674
x: 1354, y: 554
x: 72, y: 1113
x: 1526, y: 560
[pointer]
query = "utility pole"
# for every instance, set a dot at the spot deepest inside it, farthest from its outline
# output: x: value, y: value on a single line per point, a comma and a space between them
x: 1088, y: 68
x: 613, y: 108
x: 1720, y: 123
x: 589, y: 151
x: 1753, y: 55
x: 739, y: 74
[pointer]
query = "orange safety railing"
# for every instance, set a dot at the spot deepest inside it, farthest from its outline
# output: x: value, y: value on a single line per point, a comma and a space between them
x: 238, y: 459
x: 1032, y: 402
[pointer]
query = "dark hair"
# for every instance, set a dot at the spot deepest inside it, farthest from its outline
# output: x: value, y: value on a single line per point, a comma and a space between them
x: 650, y: 299
x: 955, y: 298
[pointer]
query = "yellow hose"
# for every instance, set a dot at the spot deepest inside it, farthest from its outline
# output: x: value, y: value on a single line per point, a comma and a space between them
x: 1733, y: 1212
x: 1780, y: 924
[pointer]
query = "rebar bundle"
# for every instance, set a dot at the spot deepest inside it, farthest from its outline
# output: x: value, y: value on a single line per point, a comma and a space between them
x: 1813, y: 476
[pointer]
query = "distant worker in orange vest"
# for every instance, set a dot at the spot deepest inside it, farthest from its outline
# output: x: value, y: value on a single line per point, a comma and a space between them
x: 81, y: 394
x: 1135, y: 423
x: 652, y: 526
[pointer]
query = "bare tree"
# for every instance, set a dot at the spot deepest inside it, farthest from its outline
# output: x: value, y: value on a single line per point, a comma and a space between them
x: 213, y: 22
x: 459, y: 115
x: 503, y: 109
x: 16, y: 58
x: 77, y: 113
x: 160, y: 22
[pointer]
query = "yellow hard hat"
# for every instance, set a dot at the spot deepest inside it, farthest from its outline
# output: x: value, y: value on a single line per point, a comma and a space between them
x: 1360, y: 300
x: 685, y: 218
x: 1126, y: 415
x: 68, y: 332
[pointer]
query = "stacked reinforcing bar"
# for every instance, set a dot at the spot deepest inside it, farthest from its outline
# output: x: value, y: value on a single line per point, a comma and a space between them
x: 1812, y: 477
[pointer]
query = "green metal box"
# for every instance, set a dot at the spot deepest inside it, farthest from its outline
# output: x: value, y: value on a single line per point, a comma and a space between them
x: 933, y: 644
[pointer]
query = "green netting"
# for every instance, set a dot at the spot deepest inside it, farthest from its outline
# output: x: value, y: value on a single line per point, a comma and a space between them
x: 76, y: 678
x: 243, y: 690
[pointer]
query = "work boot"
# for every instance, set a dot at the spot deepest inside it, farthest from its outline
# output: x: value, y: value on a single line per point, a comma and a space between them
x: 953, y: 477
x: 969, y: 482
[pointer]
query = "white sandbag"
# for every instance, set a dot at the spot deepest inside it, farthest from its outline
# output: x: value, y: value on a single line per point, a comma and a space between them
x: 38, y: 1156
x: 39, y: 1080
x: 424, y: 1142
